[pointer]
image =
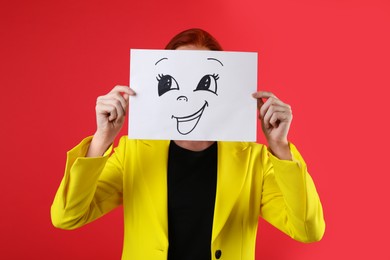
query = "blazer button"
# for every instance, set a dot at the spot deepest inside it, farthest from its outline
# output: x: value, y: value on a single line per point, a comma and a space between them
x: 218, y: 254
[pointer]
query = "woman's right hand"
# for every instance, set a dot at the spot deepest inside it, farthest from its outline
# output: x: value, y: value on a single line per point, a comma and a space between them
x: 110, y: 115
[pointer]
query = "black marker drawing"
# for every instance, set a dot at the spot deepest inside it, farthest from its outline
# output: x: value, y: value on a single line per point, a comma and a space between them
x: 208, y: 83
x: 215, y: 60
x: 166, y: 83
x: 186, y: 124
x: 161, y: 60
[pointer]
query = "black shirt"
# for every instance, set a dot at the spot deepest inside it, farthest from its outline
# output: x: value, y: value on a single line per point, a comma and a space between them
x: 192, y: 183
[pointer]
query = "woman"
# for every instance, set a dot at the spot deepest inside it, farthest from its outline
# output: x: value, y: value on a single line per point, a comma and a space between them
x: 190, y: 199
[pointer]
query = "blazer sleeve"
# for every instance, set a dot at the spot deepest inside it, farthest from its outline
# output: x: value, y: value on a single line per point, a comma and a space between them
x: 290, y: 200
x: 90, y: 188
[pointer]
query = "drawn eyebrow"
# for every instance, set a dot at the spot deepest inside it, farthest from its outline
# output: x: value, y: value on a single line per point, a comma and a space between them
x: 160, y: 60
x: 215, y: 60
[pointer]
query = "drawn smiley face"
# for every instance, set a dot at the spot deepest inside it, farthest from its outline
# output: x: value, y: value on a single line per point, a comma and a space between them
x: 208, y: 83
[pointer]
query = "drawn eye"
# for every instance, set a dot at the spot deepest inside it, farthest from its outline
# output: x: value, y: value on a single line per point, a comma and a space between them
x: 208, y: 83
x: 166, y: 83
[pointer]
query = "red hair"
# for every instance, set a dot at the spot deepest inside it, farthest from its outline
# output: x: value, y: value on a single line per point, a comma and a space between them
x: 197, y: 37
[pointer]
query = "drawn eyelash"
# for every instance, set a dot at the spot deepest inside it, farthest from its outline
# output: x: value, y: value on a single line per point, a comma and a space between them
x: 215, y: 76
x: 159, y: 77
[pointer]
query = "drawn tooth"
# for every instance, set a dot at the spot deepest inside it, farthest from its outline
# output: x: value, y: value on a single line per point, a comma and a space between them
x: 185, y: 127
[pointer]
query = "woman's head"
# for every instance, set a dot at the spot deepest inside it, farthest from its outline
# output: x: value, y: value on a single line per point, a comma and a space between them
x: 197, y: 38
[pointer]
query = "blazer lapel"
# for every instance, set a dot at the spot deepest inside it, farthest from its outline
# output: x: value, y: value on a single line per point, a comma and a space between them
x: 232, y: 170
x: 153, y: 162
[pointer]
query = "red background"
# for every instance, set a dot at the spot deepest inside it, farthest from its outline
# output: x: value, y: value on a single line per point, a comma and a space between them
x: 329, y: 59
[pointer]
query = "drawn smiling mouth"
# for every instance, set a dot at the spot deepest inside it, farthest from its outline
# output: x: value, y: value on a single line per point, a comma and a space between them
x: 187, y: 124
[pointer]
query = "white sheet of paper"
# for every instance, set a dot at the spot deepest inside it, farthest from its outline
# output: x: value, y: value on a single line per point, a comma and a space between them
x: 193, y: 95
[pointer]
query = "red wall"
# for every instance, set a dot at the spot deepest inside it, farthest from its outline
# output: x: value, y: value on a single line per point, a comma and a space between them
x: 329, y: 59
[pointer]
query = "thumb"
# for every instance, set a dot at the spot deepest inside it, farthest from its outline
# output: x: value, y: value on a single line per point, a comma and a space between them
x: 126, y: 97
x: 260, y: 101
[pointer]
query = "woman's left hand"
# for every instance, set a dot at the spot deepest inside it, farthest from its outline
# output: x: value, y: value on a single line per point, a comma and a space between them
x: 275, y: 117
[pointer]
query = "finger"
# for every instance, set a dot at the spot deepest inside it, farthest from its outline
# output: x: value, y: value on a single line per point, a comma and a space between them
x: 120, y: 110
x: 269, y: 113
x: 123, y: 89
x: 278, y: 115
x: 108, y: 111
x: 263, y: 94
x: 132, y: 92
x: 126, y: 97
x: 119, y: 104
x: 115, y: 97
x: 277, y: 118
x: 260, y: 103
x: 113, y: 114
x: 275, y: 108
x: 126, y: 92
x: 260, y: 95
x: 272, y: 101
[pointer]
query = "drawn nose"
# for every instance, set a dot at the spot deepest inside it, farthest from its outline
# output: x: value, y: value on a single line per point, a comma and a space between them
x: 184, y: 98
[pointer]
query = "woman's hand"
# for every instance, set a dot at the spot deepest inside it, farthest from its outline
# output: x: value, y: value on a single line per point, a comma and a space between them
x: 110, y: 115
x: 275, y: 117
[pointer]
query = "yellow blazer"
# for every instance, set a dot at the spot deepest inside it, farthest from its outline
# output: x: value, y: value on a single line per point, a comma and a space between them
x: 251, y: 182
